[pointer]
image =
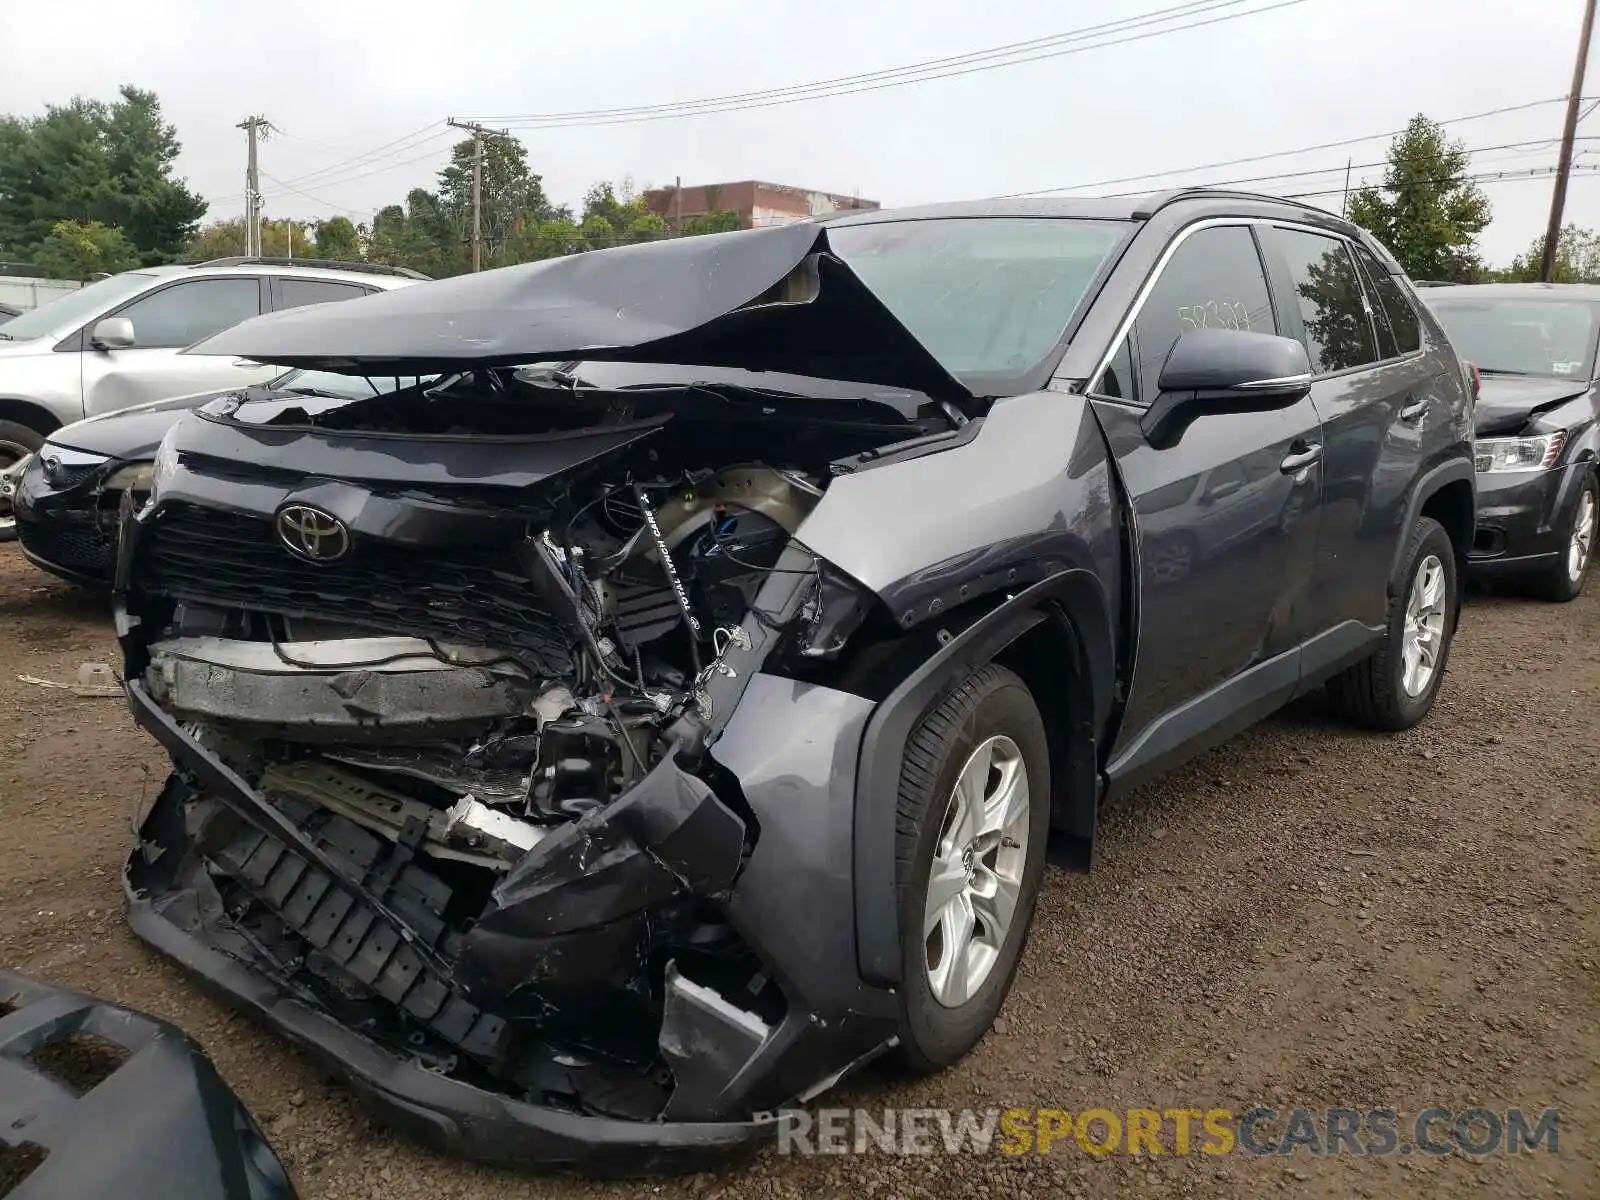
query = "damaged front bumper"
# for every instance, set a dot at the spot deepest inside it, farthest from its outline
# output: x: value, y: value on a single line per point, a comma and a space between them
x: 565, y: 920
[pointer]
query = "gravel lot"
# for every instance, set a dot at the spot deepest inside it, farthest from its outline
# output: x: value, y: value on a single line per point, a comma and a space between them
x: 1305, y: 916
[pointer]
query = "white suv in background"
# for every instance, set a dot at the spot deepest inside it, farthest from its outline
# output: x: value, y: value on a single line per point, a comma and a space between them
x: 116, y: 342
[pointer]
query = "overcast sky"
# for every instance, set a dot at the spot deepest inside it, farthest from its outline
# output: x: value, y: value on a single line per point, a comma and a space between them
x: 341, y: 78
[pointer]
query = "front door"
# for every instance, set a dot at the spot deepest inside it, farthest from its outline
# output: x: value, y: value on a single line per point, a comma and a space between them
x: 164, y: 322
x: 1225, y: 518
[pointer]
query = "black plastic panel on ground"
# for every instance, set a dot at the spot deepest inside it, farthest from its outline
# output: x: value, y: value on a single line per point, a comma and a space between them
x: 99, y: 1100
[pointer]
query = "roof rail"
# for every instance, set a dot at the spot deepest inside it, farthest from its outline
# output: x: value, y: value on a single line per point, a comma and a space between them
x: 1432, y: 283
x: 1154, y: 203
x: 369, y: 268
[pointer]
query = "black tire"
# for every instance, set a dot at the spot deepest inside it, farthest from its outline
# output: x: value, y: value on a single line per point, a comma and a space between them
x: 1371, y: 693
x: 992, y: 701
x: 15, y: 442
x: 1557, y: 584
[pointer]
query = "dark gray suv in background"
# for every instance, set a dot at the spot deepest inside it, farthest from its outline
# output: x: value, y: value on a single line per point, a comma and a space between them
x: 585, y: 762
x: 1538, y: 426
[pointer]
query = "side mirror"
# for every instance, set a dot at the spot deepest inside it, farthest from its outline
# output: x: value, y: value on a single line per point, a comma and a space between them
x: 1210, y: 371
x: 114, y: 333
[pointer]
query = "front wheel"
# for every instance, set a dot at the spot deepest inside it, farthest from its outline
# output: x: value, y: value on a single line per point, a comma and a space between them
x: 1396, y: 686
x: 16, y: 443
x: 972, y: 822
x: 1564, y: 580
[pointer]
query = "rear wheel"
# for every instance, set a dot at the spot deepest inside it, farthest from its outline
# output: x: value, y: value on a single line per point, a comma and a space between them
x: 973, y: 819
x: 1564, y: 580
x: 16, y: 443
x: 1396, y: 686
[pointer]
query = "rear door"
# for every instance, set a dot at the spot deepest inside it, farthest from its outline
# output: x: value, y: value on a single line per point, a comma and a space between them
x: 288, y: 291
x: 1224, y: 519
x: 165, y: 320
x: 1372, y: 389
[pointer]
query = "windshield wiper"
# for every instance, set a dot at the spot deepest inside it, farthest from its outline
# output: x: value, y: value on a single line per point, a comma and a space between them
x: 311, y: 391
x: 7, y: 336
x: 1500, y: 371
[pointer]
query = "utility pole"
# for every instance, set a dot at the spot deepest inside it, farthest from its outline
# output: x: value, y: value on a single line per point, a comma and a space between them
x: 1344, y: 205
x: 1558, y: 200
x: 478, y: 132
x: 255, y: 127
x: 677, y: 206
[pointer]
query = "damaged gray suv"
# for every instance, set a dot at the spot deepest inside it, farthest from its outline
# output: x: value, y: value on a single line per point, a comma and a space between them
x: 588, y: 760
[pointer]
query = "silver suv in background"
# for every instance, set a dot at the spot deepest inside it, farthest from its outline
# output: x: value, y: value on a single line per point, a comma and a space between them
x: 117, y: 342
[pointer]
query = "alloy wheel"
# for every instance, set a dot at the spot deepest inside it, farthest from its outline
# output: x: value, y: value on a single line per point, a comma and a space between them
x: 1423, y: 638
x: 975, y: 878
x: 11, y: 453
x: 1581, y: 544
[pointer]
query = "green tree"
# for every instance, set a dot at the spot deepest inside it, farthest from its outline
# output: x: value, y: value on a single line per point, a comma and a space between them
x: 420, y: 236
x: 338, y: 239
x: 513, y: 197
x: 77, y: 250
x: 1577, y: 259
x: 91, y: 162
x: 218, y: 239
x: 715, y: 222
x: 224, y: 239
x: 1426, y: 211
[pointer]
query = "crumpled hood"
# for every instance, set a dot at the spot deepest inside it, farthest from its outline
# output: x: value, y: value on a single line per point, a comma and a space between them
x: 1505, y: 402
x: 774, y: 299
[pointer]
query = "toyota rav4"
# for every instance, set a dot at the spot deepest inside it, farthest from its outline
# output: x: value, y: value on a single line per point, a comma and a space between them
x: 664, y: 711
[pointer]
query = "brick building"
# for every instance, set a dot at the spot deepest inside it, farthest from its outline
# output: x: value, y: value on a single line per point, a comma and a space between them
x: 756, y: 203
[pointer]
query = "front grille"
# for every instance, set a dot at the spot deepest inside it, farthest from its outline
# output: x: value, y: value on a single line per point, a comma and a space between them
x: 475, y: 596
x: 80, y: 549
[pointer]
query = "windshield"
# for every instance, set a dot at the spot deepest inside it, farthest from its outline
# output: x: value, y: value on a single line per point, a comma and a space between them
x: 68, y: 311
x: 986, y: 296
x: 1522, y: 337
x: 351, y: 387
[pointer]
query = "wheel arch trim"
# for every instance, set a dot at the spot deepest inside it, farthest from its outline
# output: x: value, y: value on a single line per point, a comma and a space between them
x: 1079, y: 598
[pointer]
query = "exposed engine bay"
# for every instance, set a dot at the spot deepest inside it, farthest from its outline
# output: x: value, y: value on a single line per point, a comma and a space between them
x: 473, y: 717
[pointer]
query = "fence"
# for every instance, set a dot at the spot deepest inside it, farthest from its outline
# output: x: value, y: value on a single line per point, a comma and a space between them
x: 24, y: 293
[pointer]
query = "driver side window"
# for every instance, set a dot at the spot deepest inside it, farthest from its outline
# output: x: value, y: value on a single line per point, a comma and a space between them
x: 1214, y: 280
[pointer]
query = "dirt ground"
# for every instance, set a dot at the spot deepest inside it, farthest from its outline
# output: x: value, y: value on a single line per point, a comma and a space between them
x: 1306, y: 916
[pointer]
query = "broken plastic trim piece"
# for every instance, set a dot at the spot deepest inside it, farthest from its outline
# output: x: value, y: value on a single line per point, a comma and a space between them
x: 706, y: 1040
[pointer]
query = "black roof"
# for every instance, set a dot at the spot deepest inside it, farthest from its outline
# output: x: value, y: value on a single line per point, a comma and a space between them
x: 1104, y: 208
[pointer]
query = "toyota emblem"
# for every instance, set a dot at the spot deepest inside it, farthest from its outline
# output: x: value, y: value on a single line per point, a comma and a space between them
x: 312, y: 534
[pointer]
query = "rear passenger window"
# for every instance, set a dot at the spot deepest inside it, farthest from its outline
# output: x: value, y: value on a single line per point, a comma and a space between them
x: 294, y: 293
x: 1332, y: 304
x: 1214, y: 280
x: 1394, y: 307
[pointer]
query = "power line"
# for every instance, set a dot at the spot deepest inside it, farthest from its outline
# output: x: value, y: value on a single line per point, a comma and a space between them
x: 1255, y: 158
x: 973, y: 63
x: 400, y: 145
x: 1339, y: 168
x: 1185, y: 9
x: 349, y: 212
x: 1487, y: 177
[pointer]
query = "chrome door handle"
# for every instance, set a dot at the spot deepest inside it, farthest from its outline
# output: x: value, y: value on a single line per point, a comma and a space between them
x: 1300, y: 459
x: 1414, y: 411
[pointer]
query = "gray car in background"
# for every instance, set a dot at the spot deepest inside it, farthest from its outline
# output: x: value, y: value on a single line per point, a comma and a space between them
x: 118, y: 341
x: 1538, y: 427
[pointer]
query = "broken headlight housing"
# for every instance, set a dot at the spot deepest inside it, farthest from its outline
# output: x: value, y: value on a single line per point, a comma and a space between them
x: 133, y: 477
